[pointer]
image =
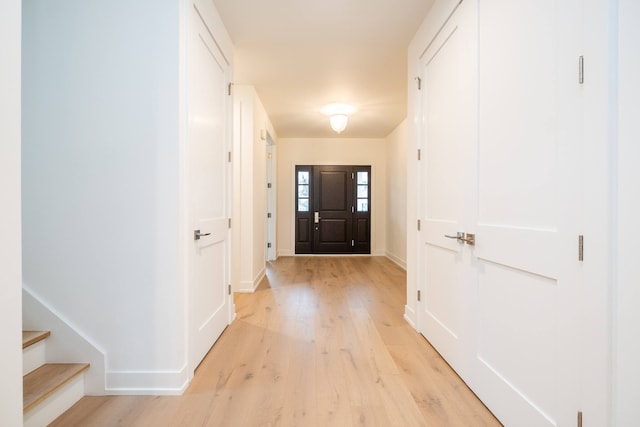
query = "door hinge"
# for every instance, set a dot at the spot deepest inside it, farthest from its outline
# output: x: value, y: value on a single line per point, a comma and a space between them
x: 419, y: 154
x: 581, y: 69
x: 269, y: 245
x: 579, y: 418
x: 268, y: 214
x: 353, y: 243
x: 419, y: 295
x: 353, y: 175
x: 581, y: 248
x: 229, y: 88
x: 229, y: 289
x: 419, y: 81
x: 229, y: 222
x: 352, y: 209
x: 268, y: 185
x: 419, y: 225
x: 229, y: 156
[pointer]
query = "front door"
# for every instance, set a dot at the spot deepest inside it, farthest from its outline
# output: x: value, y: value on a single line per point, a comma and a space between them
x: 501, y: 138
x: 208, y: 171
x: 333, y: 212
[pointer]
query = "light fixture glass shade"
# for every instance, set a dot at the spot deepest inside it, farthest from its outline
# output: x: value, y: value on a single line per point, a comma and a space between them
x: 338, y: 115
x: 338, y: 122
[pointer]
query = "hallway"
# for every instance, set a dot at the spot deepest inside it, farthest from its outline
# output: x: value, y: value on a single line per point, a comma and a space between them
x: 321, y: 343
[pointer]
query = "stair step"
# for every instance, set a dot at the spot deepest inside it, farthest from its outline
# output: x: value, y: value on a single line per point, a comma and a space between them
x: 46, y: 380
x: 31, y: 337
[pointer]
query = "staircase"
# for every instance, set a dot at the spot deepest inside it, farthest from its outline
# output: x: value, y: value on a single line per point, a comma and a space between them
x: 49, y: 389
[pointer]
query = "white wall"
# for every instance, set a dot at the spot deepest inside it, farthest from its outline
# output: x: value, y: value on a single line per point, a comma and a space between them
x: 242, y: 228
x: 627, y: 298
x: 250, y: 204
x: 335, y: 151
x: 396, y: 231
x: 261, y: 124
x: 101, y: 180
x: 10, y: 257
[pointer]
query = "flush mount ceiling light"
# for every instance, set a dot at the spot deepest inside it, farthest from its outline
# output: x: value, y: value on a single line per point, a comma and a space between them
x: 338, y: 115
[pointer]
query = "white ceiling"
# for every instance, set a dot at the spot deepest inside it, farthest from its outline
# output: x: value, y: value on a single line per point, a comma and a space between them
x: 303, y: 54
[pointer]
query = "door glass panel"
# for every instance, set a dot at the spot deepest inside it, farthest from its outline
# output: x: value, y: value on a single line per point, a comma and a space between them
x: 362, y: 191
x: 303, y: 190
x: 363, y: 177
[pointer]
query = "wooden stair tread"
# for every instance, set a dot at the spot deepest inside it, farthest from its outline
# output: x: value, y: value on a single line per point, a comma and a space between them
x: 44, y: 381
x: 32, y: 337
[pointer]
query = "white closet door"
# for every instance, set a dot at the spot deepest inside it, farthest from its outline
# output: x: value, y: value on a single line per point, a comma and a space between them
x: 528, y: 211
x: 502, y: 122
x: 449, y: 94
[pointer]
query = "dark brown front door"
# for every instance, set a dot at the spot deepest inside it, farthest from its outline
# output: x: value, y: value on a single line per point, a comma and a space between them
x: 333, y: 209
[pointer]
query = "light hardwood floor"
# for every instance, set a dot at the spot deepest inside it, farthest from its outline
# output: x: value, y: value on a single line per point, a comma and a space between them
x: 321, y: 343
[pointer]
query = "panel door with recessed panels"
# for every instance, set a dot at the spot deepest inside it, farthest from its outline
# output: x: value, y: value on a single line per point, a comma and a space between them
x: 333, y: 209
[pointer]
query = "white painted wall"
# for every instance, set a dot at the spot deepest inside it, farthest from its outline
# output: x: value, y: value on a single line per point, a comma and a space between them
x: 261, y: 124
x: 10, y: 256
x: 250, y: 204
x: 397, y: 195
x: 627, y: 296
x: 101, y: 180
x: 335, y: 151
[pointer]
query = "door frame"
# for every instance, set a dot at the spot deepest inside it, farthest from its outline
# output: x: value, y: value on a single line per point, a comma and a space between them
x: 271, y: 207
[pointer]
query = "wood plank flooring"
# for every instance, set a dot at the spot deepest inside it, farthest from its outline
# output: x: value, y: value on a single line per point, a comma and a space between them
x: 321, y: 343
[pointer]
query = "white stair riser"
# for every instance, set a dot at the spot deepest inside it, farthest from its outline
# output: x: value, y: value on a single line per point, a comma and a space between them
x: 33, y: 357
x: 53, y: 406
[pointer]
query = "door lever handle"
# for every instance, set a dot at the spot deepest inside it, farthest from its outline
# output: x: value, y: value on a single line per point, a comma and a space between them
x: 197, y: 234
x: 468, y: 238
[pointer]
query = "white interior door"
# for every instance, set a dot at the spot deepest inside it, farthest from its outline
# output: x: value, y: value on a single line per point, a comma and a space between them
x: 529, y: 211
x: 208, y: 184
x: 505, y: 312
x: 449, y: 117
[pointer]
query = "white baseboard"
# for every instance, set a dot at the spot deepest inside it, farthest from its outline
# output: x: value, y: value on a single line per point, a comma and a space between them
x: 399, y: 262
x: 258, y: 279
x: 66, y: 343
x: 160, y: 383
x: 285, y: 253
x: 247, y: 287
x: 410, y: 316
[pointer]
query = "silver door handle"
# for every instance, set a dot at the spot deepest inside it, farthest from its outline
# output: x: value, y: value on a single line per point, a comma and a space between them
x: 316, y: 217
x: 468, y: 238
x: 197, y: 234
